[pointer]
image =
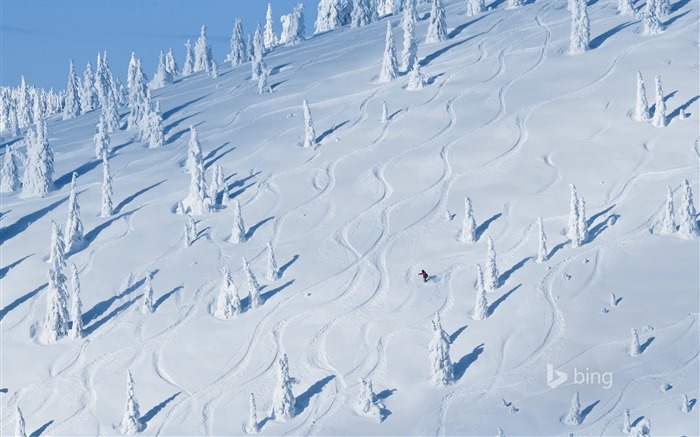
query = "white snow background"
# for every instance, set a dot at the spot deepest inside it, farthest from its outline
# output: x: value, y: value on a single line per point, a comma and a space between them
x: 508, y: 118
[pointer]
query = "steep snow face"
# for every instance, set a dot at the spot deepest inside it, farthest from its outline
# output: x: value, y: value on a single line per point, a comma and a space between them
x: 506, y: 117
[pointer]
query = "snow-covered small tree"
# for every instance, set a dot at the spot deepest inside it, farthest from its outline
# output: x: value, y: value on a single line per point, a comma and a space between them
x: 19, y: 423
x: 542, y: 242
x: 481, y: 305
x: 147, y: 307
x: 283, y: 401
x: 328, y: 17
x: 663, y: 7
x: 202, y: 52
x: 89, y: 99
x: 131, y: 423
x: 668, y: 220
x: 101, y: 138
x: 252, y: 427
x: 71, y: 106
x: 37, y: 179
x: 651, y: 23
x: 635, y: 348
x: 238, y: 54
x: 273, y: 272
x: 269, y: 36
x: 389, y: 64
x: 468, y: 234
x: 368, y: 404
x: 190, y: 231
x: 217, y: 184
x: 163, y: 76
x: 361, y: 14
x: 659, y: 118
x: 214, y: 70
x: 688, y: 226
x: 492, y: 274
x: 257, y: 62
x: 76, y: 329
x: 573, y: 230
x: 475, y: 7
x: 641, y: 429
x: 194, y: 151
x: 416, y: 80
x: 441, y: 367
x: 238, y: 233
x: 155, y: 135
x: 437, y: 28
x: 249, y: 46
x: 170, y: 64
x: 137, y: 85
x: 10, y: 174
x: 626, y: 421
x: 263, y: 87
x: 228, y: 303
x: 55, y: 324
x: 74, y: 225
x: 515, y: 4
x: 24, y: 102
x: 501, y: 433
x: 385, y: 113
x: 685, y: 404
x: 573, y: 417
x: 625, y: 7
x: 580, y: 28
x: 310, y: 132
x: 188, y: 68
x: 641, y: 111
x: 225, y: 196
x: 107, y: 208
x: 582, y: 221
x: 293, y: 26
x: 197, y: 202
x: 253, y: 286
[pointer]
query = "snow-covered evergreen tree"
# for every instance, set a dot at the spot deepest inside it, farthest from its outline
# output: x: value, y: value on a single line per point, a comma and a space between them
x: 626, y: 421
x: 214, y: 70
x: 138, y: 90
x: 24, y: 102
x: 188, y: 68
x: 253, y: 286
x: 170, y: 64
x: 501, y: 433
x: 367, y: 403
x: 107, y: 208
x: 269, y: 36
x: 217, y: 184
x: 542, y: 242
x: 55, y: 324
x: 194, y: 151
x: 252, y: 427
x: 101, y: 138
x: 582, y: 221
x: 10, y: 174
x: 72, y: 107
x: 416, y: 80
x: 293, y: 26
x: 310, y: 132
x: 468, y: 234
x: 688, y: 226
x: 147, y: 307
x: 257, y: 62
x: 197, y: 202
x: 89, y: 99
x: 273, y: 272
x: 481, y: 305
x: 74, y: 225
x: 190, y: 231
x: 573, y: 230
x: 580, y: 28
x: 437, y: 28
x: 163, y: 76
x: 37, y: 179
x: 475, y: 7
x: 573, y: 417
x: 238, y: 54
x: 641, y: 111
x: 441, y: 366
x: 19, y: 423
x: 685, y: 404
x: 202, y: 52
x: 409, y: 55
x: 131, y: 423
x: 515, y: 4
x: 249, y: 45
x: 390, y: 67
x: 635, y: 347
x: 663, y: 7
x: 155, y: 135
x: 76, y: 329
x: 238, y: 234
x: 668, y: 220
x: 492, y: 273
x: 361, y: 13
x: 263, y: 87
x: 641, y: 429
x: 225, y: 196
x: 659, y: 118
x: 228, y: 303
x: 283, y: 401
x: 329, y: 16
x: 385, y: 113
x: 650, y: 21
x: 625, y: 7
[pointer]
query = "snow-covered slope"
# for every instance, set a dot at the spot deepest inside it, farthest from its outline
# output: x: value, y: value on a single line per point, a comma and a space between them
x: 508, y: 118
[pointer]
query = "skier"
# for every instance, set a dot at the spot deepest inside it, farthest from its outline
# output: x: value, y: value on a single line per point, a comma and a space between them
x: 424, y: 274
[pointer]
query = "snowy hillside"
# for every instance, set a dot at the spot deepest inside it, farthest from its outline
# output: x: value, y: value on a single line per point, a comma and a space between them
x: 507, y: 117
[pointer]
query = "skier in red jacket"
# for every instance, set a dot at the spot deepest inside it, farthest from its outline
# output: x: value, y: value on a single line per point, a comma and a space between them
x: 424, y: 274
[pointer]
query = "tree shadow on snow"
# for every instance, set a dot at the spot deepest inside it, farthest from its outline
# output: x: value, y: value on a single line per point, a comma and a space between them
x: 595, y: 216
x: 485, y: 225
x: 637, y: 420
x: 90, y: 236
x: 496, y: 4
x: 643, y: 347
x: 90, y: 329
x: 210, y: 156
x: 600, y: 227
x: 276, y: 69
x: 586, y: 411
x: 266, y: 296
x: 20, y: 300
x: 176, y: 123
x: 113, y: 151
x: 289, y: 263
x: 457, y: 30
x: 41, y: 429
x: 23, y: 223
x: 673, y: 19
x: 167, y: 114
x: 321, y: 137
x: 556, y: 249
x: 454, y: 336
x: 683, y: 107
x: 502, y: 299
x: 102, y: 307
x: 507, y: 274
x: 66, y: 178
x: 600, y: 39
x: 164, y: 297
x: 5, y: 270
x: 436, y: 54
x: 129, y: 199
x: 303, y: 399
x: 676, y: 6
x: 155, y: 410
x: 385, y: 393
x: 176, y: 136
x: 251, y: 231
x: 461, y: 366
x: 3, y: 390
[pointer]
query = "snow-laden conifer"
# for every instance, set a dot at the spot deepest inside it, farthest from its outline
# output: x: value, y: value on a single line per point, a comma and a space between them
x: 225, y: 196
x: 515, y: 4
x: 76, y: 314
x: 685, y: 404
x: 492, y: 273
x: 19, y: 423
x: 252, y: 427
x: 310, y: 132
x: 138, y: 89
x: 385, y: 113
x: 501, y: 433
x: 263, y: 87
x: 659, y: 118
x: 293, y: 25
x: 238, y: 54
x: 440, y: 364
x: 573, y: 230
x: 273, y: 272
x: 217, y: 184
x: 663, y: 7
x: 688, y: 226
x: 635, y: 348
x: 468, y: 234
x: 641, y: 429
x: 625, y: 7
x: 107, y: 208
x: 163, y: 76
x: 188, y: 68
x: 437, y: 27
x: 416, y: 80
x: 88, y: 98
x: 253, y: 286
x: 641, y: 109
x: 214, y: 70
x: 197, y: 202
x: 475, y: 7
x: 650, y: 22
x: 580, y: 28
x: 269, y: 36
x: 626, y: 421
x: 328, y: 17
x: 74, y: 225
x: 10, y: 173
x: 147, y: 306
x: 283, y: 401
x: 194, y: 150
x: 101, y: 138
x: 72, y: 107
x: 542, y: 242
x: 228, y: 303
x: 131, y: 423
x: 573, y: 417
x: 257, y: 62
x: 156, y: 137
x: 389, y: 64
x: 582, y: 221
x: 55, y: 324
x: 37, y: 179
x: 238, y: 233
x: 668, y: 220
x: 481, y: 305
x: 24, y: 101
x: 361, y: 14
x: 368, y: 404
x: 202, y: 52
x: 170, y: 64
x: 409, y: 55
